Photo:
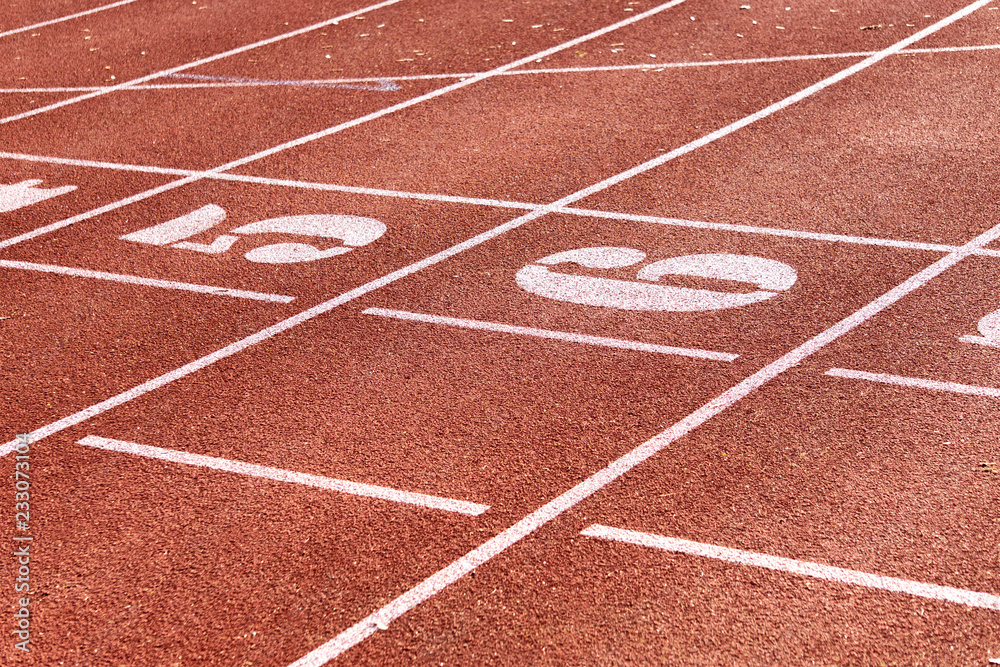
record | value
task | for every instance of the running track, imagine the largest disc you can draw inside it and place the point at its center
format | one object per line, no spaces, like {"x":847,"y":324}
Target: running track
{"x":301,"y":368}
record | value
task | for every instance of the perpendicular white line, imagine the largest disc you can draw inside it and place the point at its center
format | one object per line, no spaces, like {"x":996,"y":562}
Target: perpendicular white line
{"x":66,"y":18}
{"x":280,"y":475}
{"x":918,"y":383}
{"x":554,"y":508}
{"x":499,"y":203}
{"x":337,"y":128}
{"x":451,"y":573}
{"x":803,"y":568}
{"x":196,"y":63}
{"x":773,"y":108}
{"x":447,"y":89}
{"x":274,"y":329}
{"x":145,"y":282}
{"x":556,"y":335}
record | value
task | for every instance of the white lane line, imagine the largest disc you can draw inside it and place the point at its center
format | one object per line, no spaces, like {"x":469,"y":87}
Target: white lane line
{"x":499,"y":203}
{"x":554,"y":508}
{"x":799,"y":567}
{"x":284,"y":325}
{"x":146,"y":282}
{"x":65,"y":18}
{"x":645,"y":67}
{"x":766,"y":231}
{"x":342,"y":126}
{"x":556,"y":335}
{"x":980,"y":340}
{"x":440,"y":580}
{"x":279,"y":475}
{"x":918,"y":383}
{"x":387,"y":279}
{"x":196,"y":63}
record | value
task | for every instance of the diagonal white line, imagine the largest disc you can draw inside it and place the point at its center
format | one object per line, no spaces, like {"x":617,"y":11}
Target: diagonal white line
{"x":803,"y":568}
{"x":337,"y":128}
{"x":66,"y":18}
{"x":275,"y":329}
{"x":443,"y":578}
{"x":145,"y":282}
{"x":917,"y":383}
{"x":195,"y":63}
{"x":555,"y":335}
{"x":280,"y":475}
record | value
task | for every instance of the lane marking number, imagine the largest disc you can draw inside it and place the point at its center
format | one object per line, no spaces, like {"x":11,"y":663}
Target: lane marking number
{"x":353,"y":231}
{"x":770,"y":276}
{"x":25,"y":193}
{"x":989,"y":327}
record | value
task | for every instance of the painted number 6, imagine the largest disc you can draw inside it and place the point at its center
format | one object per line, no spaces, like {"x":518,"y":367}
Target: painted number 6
{"x":770,"y":276}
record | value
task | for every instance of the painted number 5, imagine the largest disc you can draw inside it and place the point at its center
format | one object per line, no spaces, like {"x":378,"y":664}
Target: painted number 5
{"x":353,"y":231}
{"x":770,"y":276}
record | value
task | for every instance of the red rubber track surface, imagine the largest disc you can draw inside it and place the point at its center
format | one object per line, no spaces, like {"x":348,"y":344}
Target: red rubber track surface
{"x":874,"y":451}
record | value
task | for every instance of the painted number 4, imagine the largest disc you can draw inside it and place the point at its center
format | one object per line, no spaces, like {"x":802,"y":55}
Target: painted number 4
{"x":353,"y":231}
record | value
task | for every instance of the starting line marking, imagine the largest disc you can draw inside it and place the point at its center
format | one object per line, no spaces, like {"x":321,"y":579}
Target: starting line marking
{"x":557,"y":335}
{"x":919,"y":383}
{"x":66,"y":18}
{"x":279,"y":475}
{"x":479,"y":201}
{"x":803,"y":568}
{"x":382,"y":83}
{"x":147,"y":282}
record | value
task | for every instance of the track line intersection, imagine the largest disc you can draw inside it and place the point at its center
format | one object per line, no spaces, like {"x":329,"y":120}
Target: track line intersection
{"x":404,"y":403}
{"x":506,"y":131}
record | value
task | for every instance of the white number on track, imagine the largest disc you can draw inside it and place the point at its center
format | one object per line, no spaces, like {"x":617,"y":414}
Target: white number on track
{"x":353,"y":231}
{"x":19,"y":195}
{"x":769,"y":275}
{"x":989,"y":327}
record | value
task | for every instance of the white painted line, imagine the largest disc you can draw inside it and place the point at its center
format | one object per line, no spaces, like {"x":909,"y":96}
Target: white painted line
{"x":918,"y":383}
{"x":146,"y":282}
{"x":554,"y":508}
{"x":96,"y":212}
{"x":447,"y":89}
{"x":437,"y":582}
{"x":803,"y":568}
{"x":329,"y":131}
{"x":980,"y":340}
{"x":766,"y":231}
{"x":644,"y":67}
{"x":556,"y":335}
{"x":440,"y":580}
{"x":499,"y":203}
{"x":66,"y":18}
{"x":279,"y":475}
{"x":196,"y":63}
